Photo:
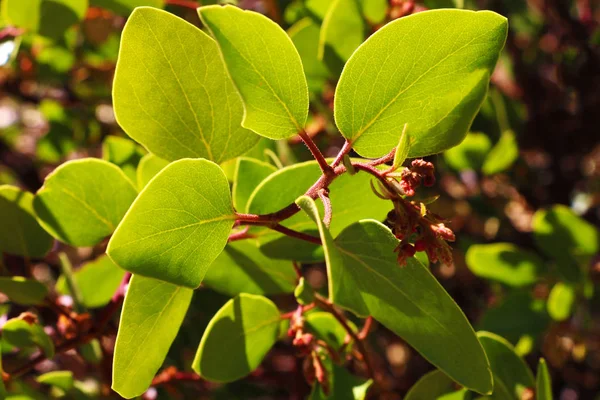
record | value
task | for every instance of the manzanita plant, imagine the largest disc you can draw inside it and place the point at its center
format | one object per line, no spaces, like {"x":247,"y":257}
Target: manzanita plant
{"x":203,"y":208}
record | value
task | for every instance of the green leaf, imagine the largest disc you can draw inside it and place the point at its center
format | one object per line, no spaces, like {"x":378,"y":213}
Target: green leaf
{"x":327,"y":328}
{"x":23,"y":291}
{"x":511,"y":375}
{"x":178,"y":225}
{"x":505,"y":263}
{"x":287,"y":248}
{"x":2,"y":387}
{"x":265,"y":67}
{"x":343,"y":30}
{"x":149,"y":166}
{"x":21,"y":234}
{"x":430,"y":70}
{"x":60,"y":379}
{"x":55,"y":145}
{"x":502,"y":155}
{"x":402,"y":149}
{"x":97,"y":282}
{"x":171,"y":92}
{"x":364,"y":277}
{"x":305,"y":36}
{"x":237,"y":338}
{"x":543,"y":382}
{"x":49,"y":18}
{"x":242,"y":268}
{"x":304,"y":293}
{"x":470,"y":154}
{"x":318,"y":8}
{"x":125,"y":7}
{"x":124,"y":153}
{"x":248,"y":174}
{"x":431,"y":386}
{"x":25,"y":334}
{"x":374,"y":10}
{"x":152,"y":314}
{"x":343,"y":385}
{"x":566,"y":238}
{"x":561,"y":301}
{"x":83,"y":201}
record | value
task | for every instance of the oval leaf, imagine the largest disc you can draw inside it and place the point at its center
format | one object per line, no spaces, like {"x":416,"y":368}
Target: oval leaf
{"x":543,"y":389}
{"x":83,"y":201}
{"x":178,"y":225}
{"x":248,"y":174}
{"x":432,"y":385}
{"x":502,"y":155}
{"x":561,"y":301}
{"x":364,"y":277}
{"x":430,"y":70}
{"x":23,"y":333}
{"x":265,"y":67}
{"x":237,"y":338}
{"x":21,"y":234}
{"x":171,"y":92}
{"x":23,"y":291}
{"x":152,"y":314}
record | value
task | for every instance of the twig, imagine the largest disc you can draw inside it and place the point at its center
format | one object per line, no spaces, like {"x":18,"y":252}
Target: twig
{"x":240,"y":235}
{"x":305,"y":308}
{"x":295,"y":234}
{"x":345,"y":150}
{"x":366,"y":328}
{"x":325,"y":168}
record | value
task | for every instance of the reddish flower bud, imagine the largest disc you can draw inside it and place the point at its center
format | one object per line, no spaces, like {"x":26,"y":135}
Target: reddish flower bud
{"x":420,"y":245}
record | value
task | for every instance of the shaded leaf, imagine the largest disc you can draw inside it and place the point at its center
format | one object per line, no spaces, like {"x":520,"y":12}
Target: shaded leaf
{"x":21,"y":234}
{"x":265,"y":67}
{"x":25,"y":334}
{"x":178,"y":225}
{"x":149,"y":166}
{"x":502,"y":156}
{"x":543,"y":389}
{"x":305,"y":36}
{"x":561,"y":301}
{"x":60,"y":379}
{"x":124,"y":153}
{"x":171,"y":92}
{"x":23,"y":291}
{"x":343,"y":385}
{"x":237,"y":338}
{"x":470,"y":154}
{"x":152,"y":314}
{"x":432,"y":386}
{"x":395,"y":78}
{"x":327,"y":328}
{"x":82,"y":201}
{"x":248,"y":174}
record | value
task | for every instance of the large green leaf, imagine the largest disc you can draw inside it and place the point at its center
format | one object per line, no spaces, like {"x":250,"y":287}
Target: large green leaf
{"x":171,"y":91}
{"x":242,"y":268}
{"x":429,"y":70}
{"x":566,"y":238}
{"x":305,"y":36}
{"x":149,"y":166}
{"x":432,"y":386}
{"x":152,"y":314}
{"x":248,"y":174}
{"x":511,"y":375}
{"x":97,"y":282}
{"x":561,"y":301}
{"x":237,"y":338}
{"x":265,"y":67}
{"x":543,"y":389}
{"x":343,"y":30}
{"x":21,"y":234}
{"x":23,"y":291}
{"x":49,"y":18}
{"x":178,"y":225}
{"x":364,"y":277}
{"x":83,"y":201}
{"x":505,"y":263}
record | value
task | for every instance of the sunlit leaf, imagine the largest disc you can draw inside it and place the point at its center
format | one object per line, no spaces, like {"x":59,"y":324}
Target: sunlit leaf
{"x":543,"y":382}
{"x":60,"y":379}
{"x":124,"y":153}
{"x":23,"y":291}
{"x":149,"y":166}
{"x":561,"y":301}
{"x":502,"y":155}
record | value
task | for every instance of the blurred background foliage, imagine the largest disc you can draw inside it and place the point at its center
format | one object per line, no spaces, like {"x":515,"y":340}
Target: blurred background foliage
{"x":522,"y":192}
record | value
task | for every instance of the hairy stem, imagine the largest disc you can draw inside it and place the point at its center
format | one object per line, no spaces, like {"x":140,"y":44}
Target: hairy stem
{"x":325,"y":168}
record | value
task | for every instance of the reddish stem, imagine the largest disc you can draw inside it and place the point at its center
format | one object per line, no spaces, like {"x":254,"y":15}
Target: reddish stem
{"x":240,"y":235}
{"x":184,"y":3}
{"x":325,"y":168}
{"x":345,"y":150}
{"x":324,"y":196}
{"x":366,"y":328}
{"x":295,"y":234}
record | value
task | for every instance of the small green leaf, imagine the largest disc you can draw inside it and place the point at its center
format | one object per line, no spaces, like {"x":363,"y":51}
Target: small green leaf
{"x":83,"y":201}
{"x":566,"y":238}
{"x":374,"y":10}
{"x":265,"y":67}
{"x":171,"y":92}
{"x":402,"y":149}
{"x":91,"y":352}
{"x":364,"y":277}
{"x":125,"y":7}
{"x":502,"y":155}
{"x":327,"y":328}
{"x":511,"y":374}
{"x":248,"y":174}
{"x":60,"y":379}
{"x":124,"y":153}
{"x":152,"y":314}
{"x":149,"y":166}
{"x":561,"y":301}
{"x":242,"y":268}
{"x":97,"y":282}
{"x":396,"y":77}
{"x":543,"y":382}
{"x":343,"y":385}
{"x":25,"y":334}
{"x":23,"y":291}
{"x":303,"y":292}
{"x":21,"y":234}
{"x":432,"y":385}
{"x":343,"y":30}
{"x":237,"y":338}
{"x":44,"y":17}
{"x":178,"y":225}
{"x":505,"y":263}
{"x":305,"y":36}
{"x":470,"y":154}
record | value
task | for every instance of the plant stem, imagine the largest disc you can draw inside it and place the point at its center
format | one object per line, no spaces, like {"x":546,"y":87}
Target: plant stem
{"x":184,"y":3}
{"x":67,"y":270}
{"x":345,"y":150}
{"x":366,"y":328}
{"x":295,"y":234}
{"x":243,"y":234}
{"x":325,"y":168}
{"x":324,"y":196}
